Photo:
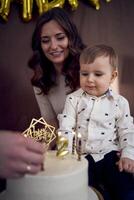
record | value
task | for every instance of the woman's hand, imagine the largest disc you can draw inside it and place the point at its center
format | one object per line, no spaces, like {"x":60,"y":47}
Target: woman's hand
{"x":19,"y":155}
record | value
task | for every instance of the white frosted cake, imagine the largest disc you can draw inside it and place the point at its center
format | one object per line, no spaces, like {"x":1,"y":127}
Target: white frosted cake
{"x":63,"y":179}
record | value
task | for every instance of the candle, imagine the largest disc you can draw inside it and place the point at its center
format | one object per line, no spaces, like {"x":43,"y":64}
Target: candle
{"x":79,"y":147}
{"x":45,"y":150}
{"x":73,"y":143}
{"x":62,"y":144}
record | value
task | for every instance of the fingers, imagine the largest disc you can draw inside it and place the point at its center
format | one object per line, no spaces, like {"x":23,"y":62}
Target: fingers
{"x":128,"y":168}
{"x":20,"y":169}
{"x":120,"y":166}
{"x":31,"y":169}
{"x":126,"y":164}
{"x":34,"y":146}
{"x":20,"y":153}
{"x":31,"y":157}
{"x":27,"y":158}
{"x":33,"y":153}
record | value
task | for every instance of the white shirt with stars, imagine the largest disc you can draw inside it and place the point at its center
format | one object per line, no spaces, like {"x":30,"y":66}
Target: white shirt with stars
{"x":104,"y":122}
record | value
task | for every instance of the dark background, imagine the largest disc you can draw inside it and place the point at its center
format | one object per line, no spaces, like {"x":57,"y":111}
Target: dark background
{"x":113,"y":24}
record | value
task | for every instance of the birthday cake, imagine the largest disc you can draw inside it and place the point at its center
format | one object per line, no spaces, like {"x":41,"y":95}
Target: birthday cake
{"x":65,"y":176}
{"x":63,"y":179}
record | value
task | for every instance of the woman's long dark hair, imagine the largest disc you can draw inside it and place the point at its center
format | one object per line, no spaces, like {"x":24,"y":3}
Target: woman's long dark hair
{"x":44,"y":71}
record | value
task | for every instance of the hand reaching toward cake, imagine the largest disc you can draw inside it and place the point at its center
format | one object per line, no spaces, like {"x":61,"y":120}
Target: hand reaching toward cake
{"x":19,"y":155}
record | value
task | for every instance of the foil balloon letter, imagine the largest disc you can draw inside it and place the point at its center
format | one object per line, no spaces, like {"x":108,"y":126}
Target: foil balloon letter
{"x":95,"y":3}
{"x":5,"y":9}
{"x":74,"y":4}
{"x":27,"y":10}
{"x":42,"y":6}
{"x":56,"y":3}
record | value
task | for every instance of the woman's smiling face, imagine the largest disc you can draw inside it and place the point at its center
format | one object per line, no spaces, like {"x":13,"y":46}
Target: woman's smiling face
{"x":54,"y":43}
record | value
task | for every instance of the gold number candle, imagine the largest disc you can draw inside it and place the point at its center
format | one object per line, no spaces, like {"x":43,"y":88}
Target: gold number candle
{"x":62,"y":144}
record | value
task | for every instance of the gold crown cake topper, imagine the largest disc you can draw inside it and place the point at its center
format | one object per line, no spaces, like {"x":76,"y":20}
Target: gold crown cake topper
{"x":41,"y":131}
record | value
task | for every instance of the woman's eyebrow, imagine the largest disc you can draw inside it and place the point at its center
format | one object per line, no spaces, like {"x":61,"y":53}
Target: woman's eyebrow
{"x":44,"y":36}
{"x":61,"y":33}
{"x":57,"y":34}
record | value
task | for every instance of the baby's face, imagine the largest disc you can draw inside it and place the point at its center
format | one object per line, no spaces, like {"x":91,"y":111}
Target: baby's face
{"x":96,"y":77}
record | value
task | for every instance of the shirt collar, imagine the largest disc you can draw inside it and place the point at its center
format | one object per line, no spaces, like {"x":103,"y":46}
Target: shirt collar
{"x":109,"y":94}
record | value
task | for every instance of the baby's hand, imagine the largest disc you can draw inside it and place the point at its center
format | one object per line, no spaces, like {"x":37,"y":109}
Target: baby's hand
{"x":126,"y":164}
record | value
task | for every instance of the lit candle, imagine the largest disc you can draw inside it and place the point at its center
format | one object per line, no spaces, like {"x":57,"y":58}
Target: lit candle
{"x":73,"y":143}
{"x":79,"y":147}
{"x":59,"y":133}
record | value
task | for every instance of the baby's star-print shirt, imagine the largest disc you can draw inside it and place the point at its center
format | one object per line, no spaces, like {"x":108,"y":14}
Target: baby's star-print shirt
{"x":104,"y":123}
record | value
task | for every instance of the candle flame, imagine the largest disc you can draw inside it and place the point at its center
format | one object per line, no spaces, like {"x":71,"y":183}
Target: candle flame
{"x":79,"y":135}
{"x":59,"y":133}
{"x":73,"y":133}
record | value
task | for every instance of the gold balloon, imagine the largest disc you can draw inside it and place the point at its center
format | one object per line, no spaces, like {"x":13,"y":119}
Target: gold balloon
{"x":42,"y":5}
{"x":95,"y":3}
{"x":56,"y":3}
{"x":74,"y":4}
{"x":5,"y":9}
{"x":27,"y":10}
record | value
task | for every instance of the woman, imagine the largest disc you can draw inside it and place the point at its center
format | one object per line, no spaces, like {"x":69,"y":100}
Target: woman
{"x":56,"y":45}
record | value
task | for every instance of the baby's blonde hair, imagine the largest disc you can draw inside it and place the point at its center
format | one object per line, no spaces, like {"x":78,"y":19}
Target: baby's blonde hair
{"x":89,"y":54}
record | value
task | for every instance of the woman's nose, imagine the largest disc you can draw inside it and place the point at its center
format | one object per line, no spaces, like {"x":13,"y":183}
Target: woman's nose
{"x":53,"y":44}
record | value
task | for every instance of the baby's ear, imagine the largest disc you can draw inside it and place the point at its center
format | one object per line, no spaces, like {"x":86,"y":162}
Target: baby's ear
{"x":114,"y":75}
